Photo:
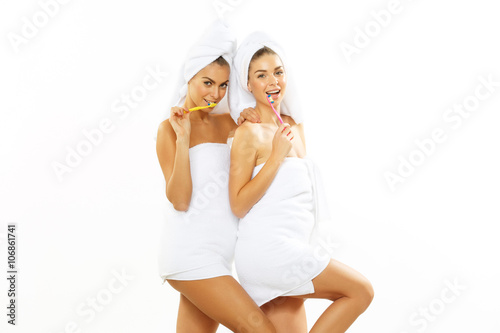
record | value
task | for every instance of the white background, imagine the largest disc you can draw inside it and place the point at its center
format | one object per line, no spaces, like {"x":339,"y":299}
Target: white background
{"x":438,"y":225}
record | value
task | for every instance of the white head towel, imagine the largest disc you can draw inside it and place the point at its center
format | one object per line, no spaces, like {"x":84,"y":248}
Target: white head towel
{"x":239,"y":95}
{"x":217,"y":41}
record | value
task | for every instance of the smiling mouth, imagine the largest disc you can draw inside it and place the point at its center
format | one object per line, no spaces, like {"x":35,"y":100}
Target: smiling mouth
{"x":209,"y":102}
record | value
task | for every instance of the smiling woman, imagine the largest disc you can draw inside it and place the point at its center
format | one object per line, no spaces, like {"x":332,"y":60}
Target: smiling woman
{"x":209,"y":85}
{"x":275,"y":191}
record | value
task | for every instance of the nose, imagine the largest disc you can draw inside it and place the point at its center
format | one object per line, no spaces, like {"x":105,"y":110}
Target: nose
{"x":273,"y":80}
{"x":215,"y":92}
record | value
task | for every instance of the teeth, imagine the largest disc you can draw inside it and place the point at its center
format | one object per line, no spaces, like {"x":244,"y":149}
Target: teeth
{"x":273,"y":92}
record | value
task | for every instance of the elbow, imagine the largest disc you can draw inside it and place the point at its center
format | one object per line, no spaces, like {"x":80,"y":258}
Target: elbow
{"x":178,"y":203}
{"x":238,"y":211}
{"x":181,"y":206}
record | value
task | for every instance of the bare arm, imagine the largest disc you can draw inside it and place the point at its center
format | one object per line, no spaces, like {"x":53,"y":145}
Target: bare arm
{"x":173,"y":154}
{"x":244,"y":192}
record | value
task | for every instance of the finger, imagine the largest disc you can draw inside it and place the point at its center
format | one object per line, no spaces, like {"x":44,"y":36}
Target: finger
{"x":287,"y":131}
{"x":284,"y":126}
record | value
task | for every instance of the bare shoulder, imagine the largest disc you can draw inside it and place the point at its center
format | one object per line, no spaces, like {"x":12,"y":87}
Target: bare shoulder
{"x":248,"y":132}
{"x":165,"y":130}
{"x":165,"y":126}
{"x":249,"y":129}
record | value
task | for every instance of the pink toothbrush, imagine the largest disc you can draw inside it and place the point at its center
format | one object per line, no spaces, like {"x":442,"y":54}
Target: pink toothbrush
{"x":270,"y":100}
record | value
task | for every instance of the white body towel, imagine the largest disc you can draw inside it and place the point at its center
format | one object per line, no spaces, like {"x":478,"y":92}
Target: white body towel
{"x":199,"y":243}
{"x":274,"y":254}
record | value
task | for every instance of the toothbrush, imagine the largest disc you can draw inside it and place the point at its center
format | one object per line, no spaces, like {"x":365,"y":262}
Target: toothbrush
{"x":271,"y":101}
{"x":210,"y":105}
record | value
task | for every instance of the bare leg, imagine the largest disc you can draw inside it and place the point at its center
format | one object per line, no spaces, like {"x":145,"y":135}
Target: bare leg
{"x":191,"y":320}
{"x":287,"y":314}
{"x":225,"y":301}
{"x":351,"y":292}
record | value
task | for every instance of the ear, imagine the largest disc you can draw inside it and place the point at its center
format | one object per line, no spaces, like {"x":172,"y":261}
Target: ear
{"x":248,"y":86}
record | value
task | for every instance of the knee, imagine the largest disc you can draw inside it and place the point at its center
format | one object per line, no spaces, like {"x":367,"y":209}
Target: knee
{"x":365,"y":294}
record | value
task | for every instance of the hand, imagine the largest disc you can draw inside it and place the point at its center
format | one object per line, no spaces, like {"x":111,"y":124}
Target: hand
{"x":179,"y":119}
{"x":248,"y":114}
{"x":282,"y":142}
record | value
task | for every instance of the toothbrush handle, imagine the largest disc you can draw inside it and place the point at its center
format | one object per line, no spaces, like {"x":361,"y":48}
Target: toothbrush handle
{"x":202,"y":107}
{"x":276,"y":112}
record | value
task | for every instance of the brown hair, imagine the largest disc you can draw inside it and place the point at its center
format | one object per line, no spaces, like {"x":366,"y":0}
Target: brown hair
{"x":220,"y":61}
{"x":260,"y":52}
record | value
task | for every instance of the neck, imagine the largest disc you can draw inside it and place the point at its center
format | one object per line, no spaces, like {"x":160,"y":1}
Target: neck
{"x":267,"y":114}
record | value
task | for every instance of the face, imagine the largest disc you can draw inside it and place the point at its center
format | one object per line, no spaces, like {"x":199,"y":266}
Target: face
{"x":266,"y":76}
{"x":208,"y":86}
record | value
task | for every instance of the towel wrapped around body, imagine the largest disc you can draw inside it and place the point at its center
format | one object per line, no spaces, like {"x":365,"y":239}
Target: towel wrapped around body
{"x":199,"y":243}
{"x":275,"y":255}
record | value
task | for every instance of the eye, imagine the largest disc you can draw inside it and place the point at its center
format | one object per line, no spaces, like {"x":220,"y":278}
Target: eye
{"x":280,"y":72}
{"x":224,"y":85}
{"x":261,"y":76}
{"x":207,"y":83}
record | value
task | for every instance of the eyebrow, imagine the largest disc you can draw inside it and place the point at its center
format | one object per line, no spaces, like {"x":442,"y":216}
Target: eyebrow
{"x":209,"y":79}
{"x":263,"y":70}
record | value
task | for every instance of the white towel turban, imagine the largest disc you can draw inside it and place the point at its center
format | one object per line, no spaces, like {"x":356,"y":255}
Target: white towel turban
{"x":217,"y":41}
{"x":239,"y":95}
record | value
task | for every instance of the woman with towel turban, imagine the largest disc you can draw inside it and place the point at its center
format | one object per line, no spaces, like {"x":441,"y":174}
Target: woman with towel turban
{"x":277,"y":195}
{"x":199,"y":236}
